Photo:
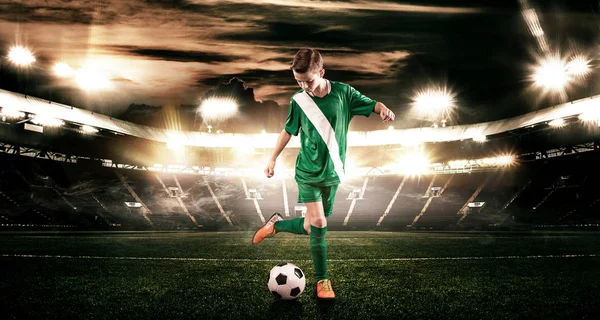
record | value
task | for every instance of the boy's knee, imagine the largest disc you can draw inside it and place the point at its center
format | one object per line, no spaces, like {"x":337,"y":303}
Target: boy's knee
{"x":319,"y":223}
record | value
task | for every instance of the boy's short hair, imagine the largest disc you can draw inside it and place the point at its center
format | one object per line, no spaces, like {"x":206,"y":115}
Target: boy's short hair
{"x":307,"y":59}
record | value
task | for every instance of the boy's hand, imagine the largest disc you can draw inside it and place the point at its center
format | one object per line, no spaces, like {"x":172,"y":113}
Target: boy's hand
{"x":387,"y":115}
{"x":270,"y":168}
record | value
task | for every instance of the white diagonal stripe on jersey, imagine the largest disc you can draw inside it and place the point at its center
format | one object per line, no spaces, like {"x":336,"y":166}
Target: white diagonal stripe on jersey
{"x":320,"y":122}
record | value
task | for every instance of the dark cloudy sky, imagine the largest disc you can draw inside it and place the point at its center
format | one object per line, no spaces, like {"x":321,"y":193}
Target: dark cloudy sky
{"x":173,"y":52}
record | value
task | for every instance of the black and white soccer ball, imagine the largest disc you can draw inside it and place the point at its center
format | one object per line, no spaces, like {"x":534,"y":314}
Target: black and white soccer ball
{"x":286,"y":281}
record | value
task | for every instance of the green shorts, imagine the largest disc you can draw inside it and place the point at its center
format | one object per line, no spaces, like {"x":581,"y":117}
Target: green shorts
{"x":312,"y":193}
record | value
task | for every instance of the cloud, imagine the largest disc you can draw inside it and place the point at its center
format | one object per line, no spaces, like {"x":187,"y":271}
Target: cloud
{"x":176,"y":55}
{"x":160,"y":52}
{"x":379,"y":63}
{"x":351,"y":5}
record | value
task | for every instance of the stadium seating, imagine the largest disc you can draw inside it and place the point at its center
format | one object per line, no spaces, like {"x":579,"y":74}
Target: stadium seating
{"x":36,"y":192}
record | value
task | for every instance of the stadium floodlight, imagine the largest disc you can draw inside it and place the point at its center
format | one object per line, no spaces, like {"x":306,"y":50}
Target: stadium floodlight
{"x":218,"y":108}
{"x":578,"y":66}
{"x":21,"y":56}
{"x":480,"y":138}
{"x":505,"y":160}
{"x":88,"y":129}
{"x":551,"y":73}
{"x":92,"y":80}
{"x":175,"y":145}
{"x":63,"y":70}
{"x":11,"y":113}
{"x":590,"y":117}
{"x":436,"y":102}
{"x":413,"y":163}
{"x":47,"y":121}
{"x":458,"y":164}
{"x":557,"y":123}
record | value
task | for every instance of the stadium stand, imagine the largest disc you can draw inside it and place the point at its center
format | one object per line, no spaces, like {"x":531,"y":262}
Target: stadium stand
{"x":63,"y":179}
{"x":560,"y":190}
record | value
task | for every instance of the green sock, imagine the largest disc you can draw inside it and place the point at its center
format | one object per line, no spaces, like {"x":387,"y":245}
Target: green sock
{"x":292,"y":226}
{"x":318,"y":250}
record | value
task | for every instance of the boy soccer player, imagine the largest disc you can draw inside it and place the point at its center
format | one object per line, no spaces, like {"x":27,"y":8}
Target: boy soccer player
{"x":321,"y":111}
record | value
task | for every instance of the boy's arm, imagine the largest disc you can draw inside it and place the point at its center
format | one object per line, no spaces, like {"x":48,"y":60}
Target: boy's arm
{"x":383,"y":111}
{"x":282,"y":141}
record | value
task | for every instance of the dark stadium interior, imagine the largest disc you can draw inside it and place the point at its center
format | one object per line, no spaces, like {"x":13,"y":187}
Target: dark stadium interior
{"x":86,"y":195}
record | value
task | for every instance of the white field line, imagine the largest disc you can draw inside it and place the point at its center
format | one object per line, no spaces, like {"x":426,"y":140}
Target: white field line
{"x":561,"y":256}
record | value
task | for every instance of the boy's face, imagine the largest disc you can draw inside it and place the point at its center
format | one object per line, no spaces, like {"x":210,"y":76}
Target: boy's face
{"x":309,"y":80}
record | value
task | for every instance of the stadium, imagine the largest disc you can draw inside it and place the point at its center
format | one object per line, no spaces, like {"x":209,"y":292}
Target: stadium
{"x":151,"y":214}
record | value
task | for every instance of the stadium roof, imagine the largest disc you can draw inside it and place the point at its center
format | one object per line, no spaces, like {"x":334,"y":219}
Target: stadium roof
{"x":37,"y":106}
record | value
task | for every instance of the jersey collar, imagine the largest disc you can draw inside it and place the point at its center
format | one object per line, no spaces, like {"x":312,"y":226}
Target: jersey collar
{"x":328,"y":89}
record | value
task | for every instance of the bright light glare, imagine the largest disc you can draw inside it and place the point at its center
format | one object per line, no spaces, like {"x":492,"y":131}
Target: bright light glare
{"x":504,"y":160}
{"x":218,"y":108}
{"x":533,"y":22}
{"x":244,"y":150}
{"x":557,"y":122}
{"x":497,"y":161}
{"x":92,"y":80}
{"x":590,"y":116}
{"x":480,"y":138}
{"x":11,"y":113}
{"x":47,"y":121}
{"x":415,"y":163}
{"x":456,"y":164}
{"x":578,"y":66}
{"x":351,"y":165}
{"x":436,"y":101}
{"x":175,"y":145}
{"x":88,"y":129}
{"x":63,"y":70}
{"x":551,"y":73}
{"x":20,"y":56}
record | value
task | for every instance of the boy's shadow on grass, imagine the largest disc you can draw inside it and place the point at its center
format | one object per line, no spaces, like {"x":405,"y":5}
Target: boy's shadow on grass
{"x":293,"y":309}
{"x":287,"y":309}
{"x":324,"y":308}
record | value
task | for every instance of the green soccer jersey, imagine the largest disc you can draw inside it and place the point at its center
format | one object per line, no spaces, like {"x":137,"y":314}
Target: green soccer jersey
{"x":314,"y":164}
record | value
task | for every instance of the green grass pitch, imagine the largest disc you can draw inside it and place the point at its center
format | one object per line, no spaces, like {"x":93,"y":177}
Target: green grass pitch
{"x":376,"y":275}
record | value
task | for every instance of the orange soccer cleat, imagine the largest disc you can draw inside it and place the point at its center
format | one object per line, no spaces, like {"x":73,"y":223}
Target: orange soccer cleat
{"x":268,"y":230}
{"x":324,"y":290}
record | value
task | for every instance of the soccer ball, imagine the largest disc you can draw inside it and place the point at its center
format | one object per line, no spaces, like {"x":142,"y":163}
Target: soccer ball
{"x":286,"y":281}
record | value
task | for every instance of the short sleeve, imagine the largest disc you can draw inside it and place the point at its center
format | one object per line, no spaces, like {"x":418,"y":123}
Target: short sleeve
{"x":359,"y":103}
{"x":292,"y":124}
